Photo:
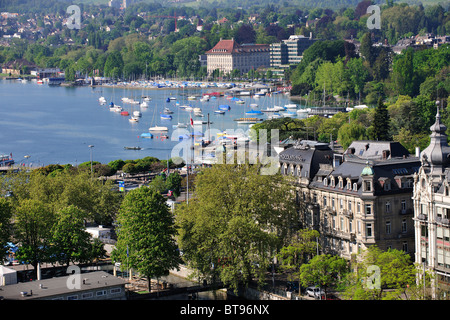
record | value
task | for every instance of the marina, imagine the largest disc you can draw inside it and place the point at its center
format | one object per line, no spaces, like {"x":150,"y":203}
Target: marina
{"x":57,"y":124}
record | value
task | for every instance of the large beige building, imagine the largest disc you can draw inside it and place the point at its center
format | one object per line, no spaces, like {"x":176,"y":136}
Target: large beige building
{"x":432,"y":210}
{"x":228,"y":55}
{"x":356,"y":199}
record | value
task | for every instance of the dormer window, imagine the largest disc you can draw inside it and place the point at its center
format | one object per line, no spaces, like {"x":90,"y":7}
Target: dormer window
{"x":325,"y":182}
{"x":355,"y":186}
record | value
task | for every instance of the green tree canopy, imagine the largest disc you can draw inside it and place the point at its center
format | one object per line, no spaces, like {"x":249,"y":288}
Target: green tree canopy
{"x":238,"y":218}
{"x":146,"y":234}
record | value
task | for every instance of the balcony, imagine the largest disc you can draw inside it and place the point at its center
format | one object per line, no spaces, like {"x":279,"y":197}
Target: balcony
{"x":347,"y":213}
{"x":443,"y":221}
{"x":423,"y":217}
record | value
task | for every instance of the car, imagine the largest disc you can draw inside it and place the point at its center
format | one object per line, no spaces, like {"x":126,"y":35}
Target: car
{"x":315,"y":292}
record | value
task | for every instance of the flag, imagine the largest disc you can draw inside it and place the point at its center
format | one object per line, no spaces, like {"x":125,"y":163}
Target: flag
{"x":192,"y":122}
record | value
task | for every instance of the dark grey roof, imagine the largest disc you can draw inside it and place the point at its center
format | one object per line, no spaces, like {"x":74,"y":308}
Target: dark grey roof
{"x":45,"y":289}
{"x":376,"y":149}
{"x":309,"y":155}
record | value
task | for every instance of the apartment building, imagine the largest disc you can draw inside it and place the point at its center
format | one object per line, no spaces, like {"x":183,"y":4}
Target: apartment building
{"x":356,"y":199}
{"x":289,"y":52}
{"x":432,"y":209}
{"x":228,"y":55}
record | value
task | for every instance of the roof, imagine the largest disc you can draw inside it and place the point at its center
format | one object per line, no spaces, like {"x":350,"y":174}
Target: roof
{"x":365,"y":149}
{"x":45,"y":289}
{"x":231,"y":46}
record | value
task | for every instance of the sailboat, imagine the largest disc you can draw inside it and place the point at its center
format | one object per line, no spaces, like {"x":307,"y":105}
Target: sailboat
{"x":157,"y":128}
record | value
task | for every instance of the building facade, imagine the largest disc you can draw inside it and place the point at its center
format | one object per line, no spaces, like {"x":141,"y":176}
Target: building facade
{"x":432,"y":209}
{"x":289,"y":52}
{"x":228,"y":55}
{"x":356,"y":199}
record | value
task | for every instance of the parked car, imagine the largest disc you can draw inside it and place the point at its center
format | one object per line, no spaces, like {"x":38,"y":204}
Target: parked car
{"x":315,"y":292}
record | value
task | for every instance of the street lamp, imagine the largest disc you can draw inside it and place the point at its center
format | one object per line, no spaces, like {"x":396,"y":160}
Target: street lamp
{"x":90,"y":147}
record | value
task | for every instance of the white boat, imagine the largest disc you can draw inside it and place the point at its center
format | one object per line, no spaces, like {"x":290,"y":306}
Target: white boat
{"x":116,"y":108}
{"x":274,"y":109}
{"x":167,"y":111}
{"x":240,"y":101}
{"x":197,"y":110}
{"x":158,"y":128}
{"x":133,"y":119}
{"x":144,"y":104}
{"x":172,"y":98}
{"x":191,"y":98}
{"x":219,"y":111}
{"x":180,"y":125}
{"x":146,"y":98}
{"x":137,"y":114}
{"x":290,"y":106}
{"x":102,"y":100}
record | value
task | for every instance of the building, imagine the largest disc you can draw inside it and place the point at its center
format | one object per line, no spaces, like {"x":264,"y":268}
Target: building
{"x":98,"y":285}
{"x":228,"y":55}
{"x":290,"y":51}
{"x":356,"y":199}
{"x":18,"y":67}
{"x":432,"y":209}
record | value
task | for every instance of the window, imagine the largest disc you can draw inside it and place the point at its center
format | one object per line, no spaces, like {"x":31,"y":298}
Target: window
{"x":100,"y":293}
{"x":359,"y":227}
{"x":349,"y":205}
{"x":368,"y":208}
{"x":325,"y":182}
{"x":405,"y":246}
{"x":332,"y":204}
{"x":341,"y":183}
{"x":87,"y":295}
{"x":350,"y":225}
{"x":342,"y":224}
{"x":324,"y":201}
{"x":388,"y":207}
{"x":341,"y":203}
{"x":74,"y":297}
{"x":388,"y":227}
{"x":404,"y":225}
{"x":115,"y":290}
{"x":368,"y":229}
{"x":355,"y":187}
{"x":403,"y":206}
{"x":367,"y":186}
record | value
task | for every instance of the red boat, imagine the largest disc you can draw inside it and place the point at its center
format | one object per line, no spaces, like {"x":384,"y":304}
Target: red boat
{"x":124,"y":113}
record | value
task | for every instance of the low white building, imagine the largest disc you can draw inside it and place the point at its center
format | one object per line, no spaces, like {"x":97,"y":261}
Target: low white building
{"x":100,"y":232}
{"x":7,"y":276}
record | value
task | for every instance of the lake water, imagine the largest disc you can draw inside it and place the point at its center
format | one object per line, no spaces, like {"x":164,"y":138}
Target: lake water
{"x":56,"y":124}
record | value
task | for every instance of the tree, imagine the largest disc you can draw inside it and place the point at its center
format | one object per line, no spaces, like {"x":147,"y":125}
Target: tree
{"x":324,"y":271}
{"x":381,"y":122}
{"x":33,"y":222}
{"x":231,"y":229}
{"x":5,"y":226}
{"x":70,"y":242}
{"x":377,"y":271}
{"x":349,"y":132}
{"x":146,"y":234}
{"x":300,"y":248}
{"x":245,"y":34}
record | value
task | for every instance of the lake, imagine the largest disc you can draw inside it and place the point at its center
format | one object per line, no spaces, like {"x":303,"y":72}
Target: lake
{"x":42,"y":124}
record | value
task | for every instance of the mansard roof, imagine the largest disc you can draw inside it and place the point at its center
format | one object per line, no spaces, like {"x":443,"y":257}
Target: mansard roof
{"x":232,"y":47}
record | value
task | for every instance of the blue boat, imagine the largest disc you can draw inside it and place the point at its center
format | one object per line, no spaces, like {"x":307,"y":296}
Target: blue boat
{"x":146,"y":135}
{"x":224,"y":107}
{"x":253,"y":112}
{"x":166,"y":117}
{"x":6,"y":161}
